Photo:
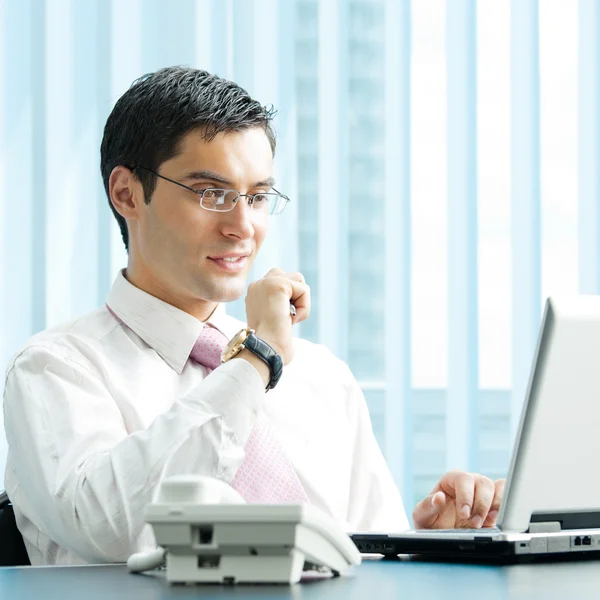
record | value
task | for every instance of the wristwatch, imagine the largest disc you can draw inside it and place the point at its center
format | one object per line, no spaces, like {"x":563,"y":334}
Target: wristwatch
{"x":245,"y":338}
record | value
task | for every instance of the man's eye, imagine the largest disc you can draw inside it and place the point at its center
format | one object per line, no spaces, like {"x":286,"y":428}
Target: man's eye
{"x":261,"y":198}
{"x":211,"y":193}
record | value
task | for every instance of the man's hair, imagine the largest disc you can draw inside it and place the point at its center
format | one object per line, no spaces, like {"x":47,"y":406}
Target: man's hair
{"x":149,"y":121}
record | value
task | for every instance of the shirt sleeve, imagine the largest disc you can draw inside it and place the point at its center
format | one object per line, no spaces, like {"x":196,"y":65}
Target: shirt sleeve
{"x":375,"y":503}
{"x":83,"y":479}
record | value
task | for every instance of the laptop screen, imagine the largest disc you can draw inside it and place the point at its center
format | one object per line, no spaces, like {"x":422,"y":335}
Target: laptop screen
{"x":3,"y":454}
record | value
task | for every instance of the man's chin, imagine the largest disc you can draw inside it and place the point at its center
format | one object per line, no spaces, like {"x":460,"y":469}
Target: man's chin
{"x":224,"y":293}
{"x":230,"y":298}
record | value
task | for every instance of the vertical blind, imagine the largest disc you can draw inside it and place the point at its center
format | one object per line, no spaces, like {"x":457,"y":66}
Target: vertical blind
{"x":442,"y":157}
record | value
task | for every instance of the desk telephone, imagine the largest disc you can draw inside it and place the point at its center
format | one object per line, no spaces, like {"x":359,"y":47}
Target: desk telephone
{"x":208,"y":534}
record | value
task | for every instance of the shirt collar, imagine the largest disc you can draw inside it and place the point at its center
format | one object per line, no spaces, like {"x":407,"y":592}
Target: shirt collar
{"x":168,"y":330}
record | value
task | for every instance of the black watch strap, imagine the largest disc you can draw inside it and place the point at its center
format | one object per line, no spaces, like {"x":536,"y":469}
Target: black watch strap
{"x":268,"y":355}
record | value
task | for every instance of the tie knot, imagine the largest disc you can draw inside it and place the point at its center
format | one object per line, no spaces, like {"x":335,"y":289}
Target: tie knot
{"x":208,"y":347}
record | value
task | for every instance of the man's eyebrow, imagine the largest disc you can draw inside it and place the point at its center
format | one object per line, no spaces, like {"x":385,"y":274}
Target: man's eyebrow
{"x":199,"y":175}
{"x":270,"y":182}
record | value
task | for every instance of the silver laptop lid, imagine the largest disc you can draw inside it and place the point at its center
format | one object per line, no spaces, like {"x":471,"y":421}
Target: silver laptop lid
{"x":554,"y":465}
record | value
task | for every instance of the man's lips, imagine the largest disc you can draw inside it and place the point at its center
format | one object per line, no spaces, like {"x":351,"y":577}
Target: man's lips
{"x":231,"y":263}
{"x":230,"y":255}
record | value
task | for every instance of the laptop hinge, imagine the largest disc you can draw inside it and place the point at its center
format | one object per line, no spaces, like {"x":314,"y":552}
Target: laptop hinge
{"x":551,"y":522}
{"x":545,"y":527}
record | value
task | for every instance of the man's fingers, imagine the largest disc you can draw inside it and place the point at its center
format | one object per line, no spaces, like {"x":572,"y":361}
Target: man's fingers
{"x":461,"y":486}
{"x":300,"y":299}
{"x":299,"y":315}
{"x":295,"y":276}
{"x":275,"y":272}
{"x":492,"y":515}
{"x":295,"y":285}
{"x":460,"y":500}
{"x":499,"y":495}
{"x":484,"y":496}
{"x":427,"y":512}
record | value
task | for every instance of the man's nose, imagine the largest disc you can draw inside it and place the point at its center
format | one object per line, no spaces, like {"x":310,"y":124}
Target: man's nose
{"x":239,"y":221}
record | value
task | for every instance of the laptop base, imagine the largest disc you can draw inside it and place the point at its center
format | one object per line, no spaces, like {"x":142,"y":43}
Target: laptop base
{"x":481,"y":549}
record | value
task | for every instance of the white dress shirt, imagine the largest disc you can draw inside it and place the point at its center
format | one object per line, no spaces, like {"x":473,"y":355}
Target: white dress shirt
{"x":97,"y":414}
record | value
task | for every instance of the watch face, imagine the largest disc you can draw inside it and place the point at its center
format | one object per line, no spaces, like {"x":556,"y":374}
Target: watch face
{"x":235,"y":344}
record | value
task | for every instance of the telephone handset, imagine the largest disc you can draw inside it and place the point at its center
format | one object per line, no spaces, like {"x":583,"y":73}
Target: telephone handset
{"x":208,"y":534}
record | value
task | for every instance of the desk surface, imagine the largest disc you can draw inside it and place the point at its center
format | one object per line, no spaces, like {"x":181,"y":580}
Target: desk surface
{"x":374,"y":579}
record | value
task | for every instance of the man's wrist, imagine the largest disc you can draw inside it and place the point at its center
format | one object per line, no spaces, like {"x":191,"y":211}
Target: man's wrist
{"x":267,"y":337}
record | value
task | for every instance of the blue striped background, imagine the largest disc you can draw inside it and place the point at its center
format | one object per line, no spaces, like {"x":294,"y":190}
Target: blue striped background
{"x":62,"y":69}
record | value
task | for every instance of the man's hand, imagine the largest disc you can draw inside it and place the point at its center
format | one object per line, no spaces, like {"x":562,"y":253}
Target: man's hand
{"x":460,"y":500}
{"x":268,"y":309}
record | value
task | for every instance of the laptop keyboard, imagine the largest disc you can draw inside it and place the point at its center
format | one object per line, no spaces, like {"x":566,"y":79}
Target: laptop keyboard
{"x":487,"y":530}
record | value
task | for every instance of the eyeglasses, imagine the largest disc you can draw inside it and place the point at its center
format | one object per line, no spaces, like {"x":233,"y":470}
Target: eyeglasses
{"x":224,"y":200}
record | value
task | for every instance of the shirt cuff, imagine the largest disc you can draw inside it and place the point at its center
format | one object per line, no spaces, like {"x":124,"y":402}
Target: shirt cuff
{"x":234,"y":391}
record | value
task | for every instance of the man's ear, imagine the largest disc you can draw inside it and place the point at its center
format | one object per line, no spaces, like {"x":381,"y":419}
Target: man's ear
{"x":126,"y":193}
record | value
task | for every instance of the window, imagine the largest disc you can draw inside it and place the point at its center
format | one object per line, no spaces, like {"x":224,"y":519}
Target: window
{"x":441,"y":160}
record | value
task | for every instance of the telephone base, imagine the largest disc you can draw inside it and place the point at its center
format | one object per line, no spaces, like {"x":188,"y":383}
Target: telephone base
{"x":203,"y":540}
{"x":249,"y":543}
{"x":231,"y":569}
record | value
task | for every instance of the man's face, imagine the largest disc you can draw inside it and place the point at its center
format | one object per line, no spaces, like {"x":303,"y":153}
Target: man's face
{"x":180,"y":245}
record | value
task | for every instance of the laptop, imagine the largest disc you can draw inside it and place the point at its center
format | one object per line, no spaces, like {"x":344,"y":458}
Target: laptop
{"x":551,"y":502}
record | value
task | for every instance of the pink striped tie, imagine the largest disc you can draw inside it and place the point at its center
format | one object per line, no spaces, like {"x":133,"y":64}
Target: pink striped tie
{"x":266,"y":475}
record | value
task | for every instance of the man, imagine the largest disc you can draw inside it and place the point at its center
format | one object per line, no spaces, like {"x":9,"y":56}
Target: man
{"x":99,"y":411}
